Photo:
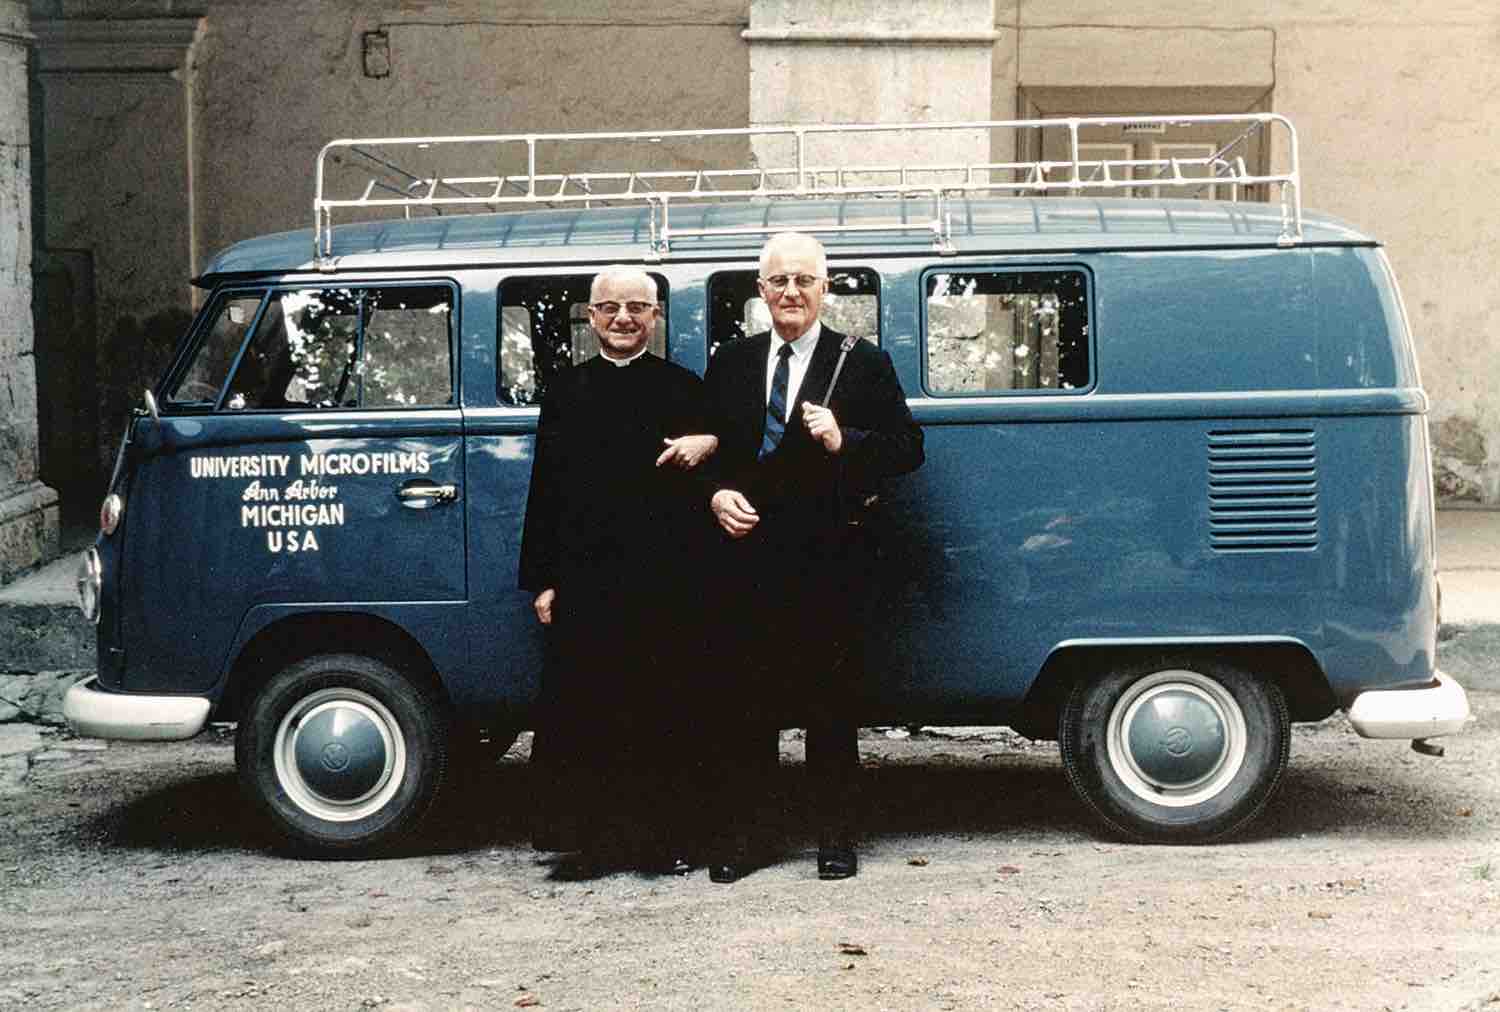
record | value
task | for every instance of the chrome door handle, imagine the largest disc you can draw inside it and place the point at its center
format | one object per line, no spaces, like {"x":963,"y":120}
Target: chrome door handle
{"x":424,"y":495}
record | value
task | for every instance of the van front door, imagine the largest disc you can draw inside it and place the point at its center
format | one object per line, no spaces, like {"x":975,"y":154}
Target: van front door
{"x":308,"y":457}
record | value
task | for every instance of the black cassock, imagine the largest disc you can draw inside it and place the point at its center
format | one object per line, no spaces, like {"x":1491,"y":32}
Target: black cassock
{"x":617,"y":537}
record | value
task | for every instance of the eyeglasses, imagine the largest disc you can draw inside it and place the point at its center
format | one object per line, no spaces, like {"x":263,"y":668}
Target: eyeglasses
{"x":805,"y":282}
{"x":613,"y":308}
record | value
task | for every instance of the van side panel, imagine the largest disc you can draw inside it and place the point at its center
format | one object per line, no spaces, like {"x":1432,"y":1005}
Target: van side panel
{"x":1377,"y":560}
{"x":1362,"y":337}
{"x":265,"y":508}
{"x":1246,"y":467}
{"x":1244,"y":320}
{"x":1019,"y":535}
{"x":505,"y":641}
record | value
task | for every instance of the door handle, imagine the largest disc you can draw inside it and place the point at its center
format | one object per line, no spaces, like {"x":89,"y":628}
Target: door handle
{"x":421,"y":495}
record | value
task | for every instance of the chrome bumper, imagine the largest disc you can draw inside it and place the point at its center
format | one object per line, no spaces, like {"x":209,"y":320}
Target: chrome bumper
{"x":1441,"y":708}
{"x":123,"y":716}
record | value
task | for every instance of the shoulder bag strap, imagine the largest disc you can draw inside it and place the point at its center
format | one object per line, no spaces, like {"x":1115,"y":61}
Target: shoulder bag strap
{"x":844,"y":348}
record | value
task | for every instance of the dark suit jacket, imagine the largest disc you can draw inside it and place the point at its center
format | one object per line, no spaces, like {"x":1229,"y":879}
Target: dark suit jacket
{"x":802,"y":491}
{"x":792,"y":593}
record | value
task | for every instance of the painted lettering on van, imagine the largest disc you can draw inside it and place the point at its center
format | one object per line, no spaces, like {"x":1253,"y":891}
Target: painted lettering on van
{"x":390,"y":462}
{"x":292,"y":541}
{"x":292,"y":515}
{"x":272,"y":516}
{"x":300,"y":490}
{"x":306,"y":502}
{"x":248,"y":465}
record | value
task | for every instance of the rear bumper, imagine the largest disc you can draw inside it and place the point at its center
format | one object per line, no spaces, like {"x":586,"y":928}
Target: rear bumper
{"x":94,"y":713}
{"x":1441,"y":708}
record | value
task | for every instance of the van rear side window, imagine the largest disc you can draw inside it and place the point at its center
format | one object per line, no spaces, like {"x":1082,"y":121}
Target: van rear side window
{"x":1000,"y":331}
{"x":544,"y":329}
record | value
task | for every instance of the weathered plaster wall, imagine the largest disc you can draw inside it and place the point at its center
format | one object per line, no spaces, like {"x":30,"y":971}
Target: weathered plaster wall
{"x":1398,"y":110}
{"x":279,"y":79}
{"x":28,"y":509}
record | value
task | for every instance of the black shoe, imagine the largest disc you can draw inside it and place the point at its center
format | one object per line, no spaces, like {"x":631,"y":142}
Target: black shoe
{"x":729,"y":860}
{"x":835,"y":862}
{"x":734,"y":863}
{"x":675,"y":864}
{"x":725,"y":872}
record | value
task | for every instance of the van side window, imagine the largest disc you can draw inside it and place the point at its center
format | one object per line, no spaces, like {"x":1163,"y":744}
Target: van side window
{"x":385,"y":347}
{"x":544,"y":329}
{"x":204,"y":378}
{"x":997,"y":331}
{"x":736,"y":310}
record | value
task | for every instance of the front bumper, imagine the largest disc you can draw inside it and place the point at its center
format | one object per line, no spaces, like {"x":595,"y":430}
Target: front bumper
{"x":94,"y":713}
{"x":1441,"y":708}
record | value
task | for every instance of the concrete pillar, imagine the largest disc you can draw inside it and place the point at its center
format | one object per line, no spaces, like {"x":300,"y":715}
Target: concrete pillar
{"x":28,"y":509}
{"x":863,"y":61}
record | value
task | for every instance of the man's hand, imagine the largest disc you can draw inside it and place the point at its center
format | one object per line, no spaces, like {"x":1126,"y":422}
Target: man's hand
{"x":687,"y":452}
{"x":822,"y":426}
{"x":543,"y":605}
{"x":734,"y":512}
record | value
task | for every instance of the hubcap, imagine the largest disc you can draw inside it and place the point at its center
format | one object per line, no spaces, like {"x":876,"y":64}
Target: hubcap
{"x":340,"y":754}
{"x":1176,"y":738}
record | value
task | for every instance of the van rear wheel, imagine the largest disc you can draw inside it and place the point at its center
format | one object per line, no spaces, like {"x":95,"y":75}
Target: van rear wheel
{"x":1177,"y":751}
{"x":342,"y":754}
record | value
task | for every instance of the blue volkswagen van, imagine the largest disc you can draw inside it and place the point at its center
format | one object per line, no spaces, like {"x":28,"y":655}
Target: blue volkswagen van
{"x":1177,"y":491}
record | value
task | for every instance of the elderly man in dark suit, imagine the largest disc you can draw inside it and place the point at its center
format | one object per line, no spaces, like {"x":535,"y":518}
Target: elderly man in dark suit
{"x":794,"y":464}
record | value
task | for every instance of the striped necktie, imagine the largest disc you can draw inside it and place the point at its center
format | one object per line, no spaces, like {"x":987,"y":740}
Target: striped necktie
{"x":776,"y":406}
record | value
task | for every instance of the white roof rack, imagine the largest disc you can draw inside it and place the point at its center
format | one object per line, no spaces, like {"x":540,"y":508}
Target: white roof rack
{"x":429,"y":189}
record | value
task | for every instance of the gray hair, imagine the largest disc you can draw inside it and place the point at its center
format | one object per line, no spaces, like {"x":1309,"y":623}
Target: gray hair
{"x":621,"y":272}
{"x":781,"y":238}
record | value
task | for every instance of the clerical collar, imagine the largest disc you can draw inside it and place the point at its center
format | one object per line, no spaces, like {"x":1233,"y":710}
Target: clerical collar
{"x":622,"y":362}
{"x":803,"y":346}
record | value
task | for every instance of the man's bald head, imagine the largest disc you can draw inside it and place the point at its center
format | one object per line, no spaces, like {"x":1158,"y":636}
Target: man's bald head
{"x":621,"y":276}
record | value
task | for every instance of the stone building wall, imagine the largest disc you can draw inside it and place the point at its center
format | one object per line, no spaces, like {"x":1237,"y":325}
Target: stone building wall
{"x":176,"y":127}
{"x":28,"y":508}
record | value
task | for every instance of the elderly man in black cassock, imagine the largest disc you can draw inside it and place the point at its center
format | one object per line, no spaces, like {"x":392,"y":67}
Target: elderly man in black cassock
{"x":608,"y":540}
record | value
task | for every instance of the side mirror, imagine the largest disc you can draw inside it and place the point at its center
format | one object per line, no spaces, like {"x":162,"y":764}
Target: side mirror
{"x":151,"y":407}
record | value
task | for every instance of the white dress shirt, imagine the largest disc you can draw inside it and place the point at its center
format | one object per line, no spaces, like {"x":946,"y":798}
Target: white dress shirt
{"x":802,"y":353}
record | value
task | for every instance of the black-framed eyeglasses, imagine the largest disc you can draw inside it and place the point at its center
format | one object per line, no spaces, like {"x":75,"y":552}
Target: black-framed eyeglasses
{"x":804,"y":282}
{"x":633,"y":307}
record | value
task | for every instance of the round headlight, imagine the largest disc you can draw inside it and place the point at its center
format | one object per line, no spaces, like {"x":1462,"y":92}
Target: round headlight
{"x":110,"y":512}
{"x":90,"y":583}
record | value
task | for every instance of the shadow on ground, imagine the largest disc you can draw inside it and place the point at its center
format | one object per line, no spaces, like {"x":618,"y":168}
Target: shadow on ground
{"x":1012,"y":796}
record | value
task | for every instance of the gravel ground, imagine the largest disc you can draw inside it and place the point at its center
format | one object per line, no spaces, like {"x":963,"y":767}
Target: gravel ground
{"x":133,"y":878}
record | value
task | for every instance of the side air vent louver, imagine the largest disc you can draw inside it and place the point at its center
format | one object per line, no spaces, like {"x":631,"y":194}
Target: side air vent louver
{"x":1263,"y":490}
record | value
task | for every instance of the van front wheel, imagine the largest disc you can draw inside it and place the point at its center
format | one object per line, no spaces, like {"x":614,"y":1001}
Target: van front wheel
{"x":342,"y":753}
{"x":1175,"y":752}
